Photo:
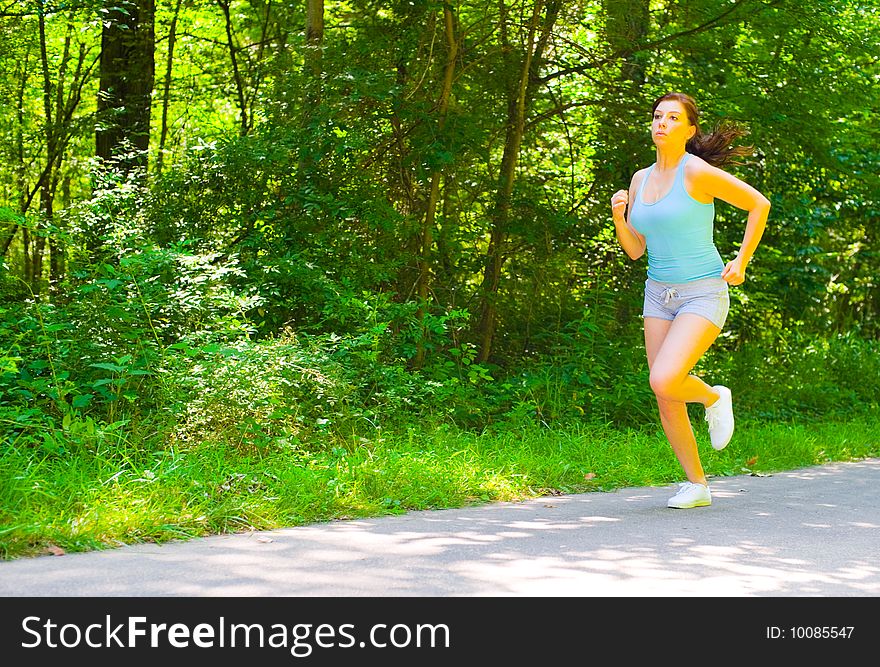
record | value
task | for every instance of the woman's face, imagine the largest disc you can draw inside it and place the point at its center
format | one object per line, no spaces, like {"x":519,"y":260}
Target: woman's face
{"x":671,"y":126}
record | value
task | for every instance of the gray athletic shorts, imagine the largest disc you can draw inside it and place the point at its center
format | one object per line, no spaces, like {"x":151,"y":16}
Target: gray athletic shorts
{"x":707,"y":297}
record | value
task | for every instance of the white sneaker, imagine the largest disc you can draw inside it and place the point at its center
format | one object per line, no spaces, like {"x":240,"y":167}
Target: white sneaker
{"x":690,"y":495}
{"x":719,"y":415}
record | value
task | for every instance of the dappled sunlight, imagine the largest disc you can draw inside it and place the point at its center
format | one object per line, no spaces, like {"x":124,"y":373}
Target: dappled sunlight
{"x":636,"y":497}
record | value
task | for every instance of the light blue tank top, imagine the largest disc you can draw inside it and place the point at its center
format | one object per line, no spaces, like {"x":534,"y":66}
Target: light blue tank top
{"x":678,"y":230}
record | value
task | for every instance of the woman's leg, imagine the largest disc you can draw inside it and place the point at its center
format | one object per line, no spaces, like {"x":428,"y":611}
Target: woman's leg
{"x":673,"y":349}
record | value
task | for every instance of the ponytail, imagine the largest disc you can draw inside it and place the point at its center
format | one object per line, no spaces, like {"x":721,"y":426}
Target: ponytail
{"x":715,"y":147}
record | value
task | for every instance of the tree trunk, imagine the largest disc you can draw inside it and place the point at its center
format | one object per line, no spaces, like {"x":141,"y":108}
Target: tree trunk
{"x":627,"y":24}
{"x":26,"y":255}
{"x":57,"y":134}
{"x":126,"y":85}
{"x":46,"y":214}
{"x":433,"y":196}
{"x":166,"y":87}
{"x":36,"y":268}
{"x":56,"y":250}
{"x":519,"y":95}
{"x":313,"y":58}
{"x":312,"y":87}
{"x":20,"y":167}
{"x":236,"y":72}
{"x":445,"y":260}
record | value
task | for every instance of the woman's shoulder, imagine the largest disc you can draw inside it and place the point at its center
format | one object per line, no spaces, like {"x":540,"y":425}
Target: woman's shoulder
{"x":696,"y":165}
{"x":640,"y":174}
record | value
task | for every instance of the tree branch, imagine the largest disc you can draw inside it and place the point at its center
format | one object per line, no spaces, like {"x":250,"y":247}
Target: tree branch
{"x":714,"y":22}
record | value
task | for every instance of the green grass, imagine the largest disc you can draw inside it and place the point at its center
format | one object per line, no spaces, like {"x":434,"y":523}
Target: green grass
{"x":98,"y":496}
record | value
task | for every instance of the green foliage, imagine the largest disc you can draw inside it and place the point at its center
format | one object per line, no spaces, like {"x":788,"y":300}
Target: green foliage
{"x":802,"y":377}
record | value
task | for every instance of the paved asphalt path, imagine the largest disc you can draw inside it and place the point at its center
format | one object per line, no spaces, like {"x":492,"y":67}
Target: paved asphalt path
{"x":809,"y":532}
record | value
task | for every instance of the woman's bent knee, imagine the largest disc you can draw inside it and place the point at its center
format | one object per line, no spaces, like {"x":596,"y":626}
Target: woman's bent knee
{"x":664,"y":384}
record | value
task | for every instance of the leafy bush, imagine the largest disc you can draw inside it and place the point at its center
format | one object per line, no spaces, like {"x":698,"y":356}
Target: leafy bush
{"x":802,"y":376}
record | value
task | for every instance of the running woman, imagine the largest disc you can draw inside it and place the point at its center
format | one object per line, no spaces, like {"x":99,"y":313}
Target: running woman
{"x":686,"y":293}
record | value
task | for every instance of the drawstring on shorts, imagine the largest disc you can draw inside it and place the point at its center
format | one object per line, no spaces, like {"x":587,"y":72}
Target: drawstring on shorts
{"x":669,"y":293}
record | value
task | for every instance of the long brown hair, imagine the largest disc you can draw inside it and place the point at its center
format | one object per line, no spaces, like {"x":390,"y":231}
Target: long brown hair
{"x":713,"y":147}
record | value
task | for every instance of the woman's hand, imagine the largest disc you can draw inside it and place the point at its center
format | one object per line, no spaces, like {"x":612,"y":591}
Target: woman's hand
{"x":618,"y":204}
{"x":735,"y":271}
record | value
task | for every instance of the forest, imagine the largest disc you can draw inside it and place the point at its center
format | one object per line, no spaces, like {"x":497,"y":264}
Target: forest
{"x":265,"y":226}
